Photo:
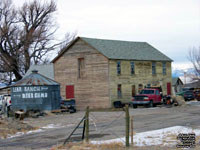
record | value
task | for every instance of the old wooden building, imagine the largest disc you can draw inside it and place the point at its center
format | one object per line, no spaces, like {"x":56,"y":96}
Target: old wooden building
{"x":97,"y":72}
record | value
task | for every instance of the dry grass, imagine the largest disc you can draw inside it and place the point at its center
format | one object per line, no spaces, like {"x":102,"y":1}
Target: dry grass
{"x":85,"y":146}
{"x":110,"y":146}
{"x":113,"y":146}
{"x":11,"y":127}
{"x":170,"y":139}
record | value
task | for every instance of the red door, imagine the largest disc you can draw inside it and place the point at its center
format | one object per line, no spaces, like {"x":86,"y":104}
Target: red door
{"x":69,"y":91}
{"x":168,"y":88}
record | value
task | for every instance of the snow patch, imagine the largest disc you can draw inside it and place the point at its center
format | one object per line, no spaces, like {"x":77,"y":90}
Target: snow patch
{"x":23,"y":133}
{"x":155,"y":137}
{"x":51,"y":126}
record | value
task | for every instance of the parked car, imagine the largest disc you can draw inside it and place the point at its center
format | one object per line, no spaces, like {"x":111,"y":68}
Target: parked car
{"x":1,"y":101}
{"x":7,"y":101}
{"x":147,"y":97}
{"x":182,"y":92}
{"x":197,"y":95}
{"x":189,"y":95}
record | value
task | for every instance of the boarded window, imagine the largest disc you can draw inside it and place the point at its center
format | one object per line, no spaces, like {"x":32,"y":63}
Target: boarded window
{"x":132,"y":68}
{"x":81,"y":67}
{"x":118,"y":67}
{"x":153,"y":68}
{"x":119,"y":91}
{"x":164,"y":68}
{"x":133,"y":90}
{"x":69,"y":91}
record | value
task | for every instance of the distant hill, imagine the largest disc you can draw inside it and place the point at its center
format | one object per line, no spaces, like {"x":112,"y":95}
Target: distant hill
{"x":180,"y":72}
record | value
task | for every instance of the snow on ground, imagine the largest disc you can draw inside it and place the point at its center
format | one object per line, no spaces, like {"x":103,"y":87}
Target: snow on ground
{"x":51,"y":126}
{"x":22,"y":133}
{"x":194,"y":103}
{"x":166,"y":136}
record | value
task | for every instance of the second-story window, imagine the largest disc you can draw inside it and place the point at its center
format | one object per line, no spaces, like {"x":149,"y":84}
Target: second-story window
{"x":81,"y":67}
{"x":164,"y":68}
{"x":118,"y":67}
{"x":132,"y":68}
{"x":153,"y":68}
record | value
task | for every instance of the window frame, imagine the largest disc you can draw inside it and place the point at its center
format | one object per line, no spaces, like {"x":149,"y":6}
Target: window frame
{"x":132,"y":64}
{"x":153,"y":68}
{"x":81,"y":66}
{"x":164,"y":68}
{"x":118,"y":67}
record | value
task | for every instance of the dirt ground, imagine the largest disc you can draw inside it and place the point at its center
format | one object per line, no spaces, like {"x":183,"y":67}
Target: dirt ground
{"x":106,"y":125}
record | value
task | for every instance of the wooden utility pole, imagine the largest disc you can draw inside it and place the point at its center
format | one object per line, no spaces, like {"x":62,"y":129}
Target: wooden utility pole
{"x":127,"y":125}
{"x":87,"y":124}
{"x":131,"y":130}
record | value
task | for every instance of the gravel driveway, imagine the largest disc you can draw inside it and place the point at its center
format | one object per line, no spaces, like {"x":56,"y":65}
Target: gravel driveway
{"x":103,"y":125}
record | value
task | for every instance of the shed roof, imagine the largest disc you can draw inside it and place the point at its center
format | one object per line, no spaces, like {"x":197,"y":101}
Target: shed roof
{"x":35,"y":79}
{"x":124,"y":50}
{"x":47,"y":70}
{"x":175,"y":80}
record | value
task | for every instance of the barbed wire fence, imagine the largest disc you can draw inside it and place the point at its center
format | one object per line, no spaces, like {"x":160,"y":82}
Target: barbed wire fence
{"x":106,"y":128}
{"x":104,"y":125}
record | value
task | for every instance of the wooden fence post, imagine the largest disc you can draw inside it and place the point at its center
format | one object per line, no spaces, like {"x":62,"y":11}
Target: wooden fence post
{"x":87,"y":124}
{"x":127,"y":125}
{"x":131,"y":130}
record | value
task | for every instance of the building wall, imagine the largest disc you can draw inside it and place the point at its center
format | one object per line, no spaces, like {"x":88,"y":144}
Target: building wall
{"x":178,"y":86}
{"x":4,"y":91}
{"x":92,"y":89}
{"x":143,"y":75}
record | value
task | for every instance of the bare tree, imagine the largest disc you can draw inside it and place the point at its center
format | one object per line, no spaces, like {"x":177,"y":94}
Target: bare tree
{"x":26,"y":35}
{"x":194,"y":57}
{"x":69,"y":37}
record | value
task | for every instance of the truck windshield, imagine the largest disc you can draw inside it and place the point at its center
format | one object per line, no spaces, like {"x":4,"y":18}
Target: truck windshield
{"x":147,"y":92}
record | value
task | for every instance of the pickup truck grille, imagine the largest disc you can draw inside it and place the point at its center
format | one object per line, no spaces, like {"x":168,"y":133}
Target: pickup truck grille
{"x":139,"y":98}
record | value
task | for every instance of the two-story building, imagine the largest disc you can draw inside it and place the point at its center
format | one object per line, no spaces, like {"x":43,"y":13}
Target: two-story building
{"x":97,"y":72}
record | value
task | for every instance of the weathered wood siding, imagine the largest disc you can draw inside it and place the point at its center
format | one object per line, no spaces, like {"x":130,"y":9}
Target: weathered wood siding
{"x":93,"y":88}
{"x":143,"y":75}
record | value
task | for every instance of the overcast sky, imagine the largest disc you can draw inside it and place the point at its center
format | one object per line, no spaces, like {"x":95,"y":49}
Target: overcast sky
{"x":171,"y":26}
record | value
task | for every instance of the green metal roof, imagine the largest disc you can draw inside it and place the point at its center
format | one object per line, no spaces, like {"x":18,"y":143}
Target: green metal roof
{"x":174,"y":80}
{"x":114,"y":49}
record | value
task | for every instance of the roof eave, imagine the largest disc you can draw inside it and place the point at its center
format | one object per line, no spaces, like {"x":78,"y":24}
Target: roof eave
{"x":64,"y":50}
{"x":140,"y":59}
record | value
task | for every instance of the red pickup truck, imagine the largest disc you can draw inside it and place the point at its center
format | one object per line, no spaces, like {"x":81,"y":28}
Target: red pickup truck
{"x":147,"y":97}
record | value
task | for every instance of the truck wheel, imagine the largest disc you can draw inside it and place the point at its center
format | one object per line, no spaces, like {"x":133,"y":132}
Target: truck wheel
{"x":134,"y":106}
{"x":151,"y":104}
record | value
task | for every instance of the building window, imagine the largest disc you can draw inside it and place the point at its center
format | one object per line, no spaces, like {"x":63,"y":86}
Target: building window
{"x":164,"y":68}
{"x":132,"y":68}
{"x":81,"y":67}
{"x":153,"y":68}
{"x":148,"y":85}
{"x":118,"y":67}
{"x":140,"y":87}
{"x":119,"y":91}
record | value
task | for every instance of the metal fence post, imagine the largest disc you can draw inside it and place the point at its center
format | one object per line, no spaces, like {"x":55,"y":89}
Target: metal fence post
{"x":131,"y":130}
{"x":127,"y":124}
{"x":87,"y":124}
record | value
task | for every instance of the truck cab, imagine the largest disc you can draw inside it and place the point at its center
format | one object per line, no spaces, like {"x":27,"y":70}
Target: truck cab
{"x":148,"y":97}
